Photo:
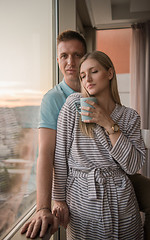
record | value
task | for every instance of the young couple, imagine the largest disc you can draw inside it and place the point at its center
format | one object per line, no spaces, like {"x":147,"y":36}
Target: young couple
{"x":93,"y":160}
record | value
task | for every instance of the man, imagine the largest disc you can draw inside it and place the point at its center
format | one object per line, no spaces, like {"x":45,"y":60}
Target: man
{"x":71,"y":47}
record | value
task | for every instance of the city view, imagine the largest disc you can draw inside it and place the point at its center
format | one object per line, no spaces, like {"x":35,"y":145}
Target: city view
{"x":18,"y":154}
{"x":26,"y":72}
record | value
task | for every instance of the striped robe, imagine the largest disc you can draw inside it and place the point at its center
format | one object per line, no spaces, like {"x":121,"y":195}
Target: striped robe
{"x":91,"y":175}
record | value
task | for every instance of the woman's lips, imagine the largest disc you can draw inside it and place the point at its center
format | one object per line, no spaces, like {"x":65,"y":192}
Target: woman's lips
{"x":90,"y":86}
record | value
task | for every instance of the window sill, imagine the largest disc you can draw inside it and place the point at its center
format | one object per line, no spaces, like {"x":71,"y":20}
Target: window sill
{"x":15,"y":232}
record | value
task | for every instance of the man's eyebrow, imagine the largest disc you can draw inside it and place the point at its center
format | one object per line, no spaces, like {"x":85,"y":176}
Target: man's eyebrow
{"x":63,"y":53}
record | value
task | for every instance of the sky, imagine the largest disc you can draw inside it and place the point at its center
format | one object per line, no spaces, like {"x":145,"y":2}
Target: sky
{"x":25,"y":50}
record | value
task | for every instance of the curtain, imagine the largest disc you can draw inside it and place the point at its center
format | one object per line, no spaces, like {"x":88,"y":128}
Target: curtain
{"x":140,"y":71}
{"x":140,"y":76}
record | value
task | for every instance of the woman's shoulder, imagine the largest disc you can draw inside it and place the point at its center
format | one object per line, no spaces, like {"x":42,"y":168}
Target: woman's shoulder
{"x":130,"y":111}
{"x":126,"y":113}
{"x":71,"y":101}
{"x":73,"y":98}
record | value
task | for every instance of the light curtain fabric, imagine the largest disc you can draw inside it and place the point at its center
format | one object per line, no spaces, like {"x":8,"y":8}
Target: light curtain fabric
{"x":140,"y":78}
{"x":140,"y":72}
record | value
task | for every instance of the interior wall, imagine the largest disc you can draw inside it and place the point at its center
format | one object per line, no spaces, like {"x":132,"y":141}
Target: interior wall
{"x":116,"y":44}
{"x":67,"y":16}
{"x":67,"y":20}
{"x":70,"y":19}
{"x":90,"y":36}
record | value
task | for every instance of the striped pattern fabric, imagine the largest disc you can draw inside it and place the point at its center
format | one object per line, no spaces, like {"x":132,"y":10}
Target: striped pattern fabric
{"x":91,"y":175}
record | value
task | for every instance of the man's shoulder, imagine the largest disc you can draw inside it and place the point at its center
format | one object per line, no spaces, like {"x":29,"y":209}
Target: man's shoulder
{"x":51,"y":105}
{"x":54,"y":93}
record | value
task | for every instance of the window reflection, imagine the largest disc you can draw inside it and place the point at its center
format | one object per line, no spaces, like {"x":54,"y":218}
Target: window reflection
{"x":18,"y":154}
{"x":26,"y":72}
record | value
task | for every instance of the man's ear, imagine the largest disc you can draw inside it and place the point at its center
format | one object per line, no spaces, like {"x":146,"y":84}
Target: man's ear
{"x":110,"y":73}
{"x":57,"y":60}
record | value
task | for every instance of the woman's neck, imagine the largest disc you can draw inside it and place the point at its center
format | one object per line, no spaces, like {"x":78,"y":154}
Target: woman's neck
{"x":107,"y":103}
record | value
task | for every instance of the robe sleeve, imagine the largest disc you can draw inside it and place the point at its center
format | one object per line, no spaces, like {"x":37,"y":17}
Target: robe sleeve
{"x":129,"y":150}
{"x":65,"y":127}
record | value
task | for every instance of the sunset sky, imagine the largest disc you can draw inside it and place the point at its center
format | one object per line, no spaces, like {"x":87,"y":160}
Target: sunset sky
{"x":25,"y":51}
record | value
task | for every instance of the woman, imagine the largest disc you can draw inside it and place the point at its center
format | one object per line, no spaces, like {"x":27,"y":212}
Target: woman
{"x":93,"y":158}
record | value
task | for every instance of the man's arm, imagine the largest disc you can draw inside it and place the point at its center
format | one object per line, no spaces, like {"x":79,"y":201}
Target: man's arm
{"x":43,"y":217}
{"x":47,"y":142}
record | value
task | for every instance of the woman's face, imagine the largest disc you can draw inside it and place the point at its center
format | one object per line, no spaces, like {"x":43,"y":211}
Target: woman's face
{"x":94,"y":77}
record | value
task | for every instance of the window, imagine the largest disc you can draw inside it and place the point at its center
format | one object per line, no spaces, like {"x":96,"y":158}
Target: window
{"x":26,"y":73}
{"x":116,"y":43}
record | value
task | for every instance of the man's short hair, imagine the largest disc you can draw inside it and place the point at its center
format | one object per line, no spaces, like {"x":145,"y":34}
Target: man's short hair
{"x":71,"y":35}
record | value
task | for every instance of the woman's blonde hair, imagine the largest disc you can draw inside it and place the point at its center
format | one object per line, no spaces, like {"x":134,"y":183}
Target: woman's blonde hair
{"x":105,"y":61}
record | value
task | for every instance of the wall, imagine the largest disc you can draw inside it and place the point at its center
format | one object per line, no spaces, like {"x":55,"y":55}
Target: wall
{"x":116,"y":44}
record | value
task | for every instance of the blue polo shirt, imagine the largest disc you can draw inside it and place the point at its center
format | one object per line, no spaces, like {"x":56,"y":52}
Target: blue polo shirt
{"x":51,"y":104}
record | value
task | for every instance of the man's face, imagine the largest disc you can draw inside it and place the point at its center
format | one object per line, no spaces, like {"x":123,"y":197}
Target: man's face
{"x":69,"y":54}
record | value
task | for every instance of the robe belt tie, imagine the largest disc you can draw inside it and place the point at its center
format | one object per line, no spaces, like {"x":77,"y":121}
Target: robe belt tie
{"x":94,"y":175}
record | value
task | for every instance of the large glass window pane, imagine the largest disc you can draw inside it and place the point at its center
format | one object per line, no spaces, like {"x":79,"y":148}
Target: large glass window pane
{"x":26,"y":73}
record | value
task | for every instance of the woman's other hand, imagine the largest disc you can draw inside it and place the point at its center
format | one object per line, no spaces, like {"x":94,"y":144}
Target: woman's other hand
{"x":61,"y":210}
